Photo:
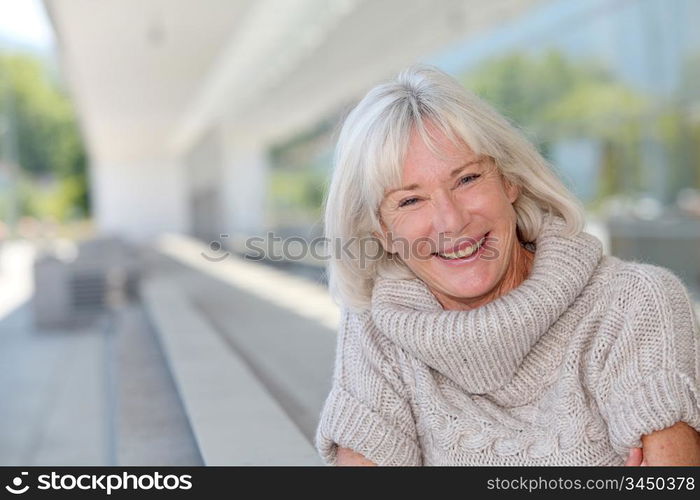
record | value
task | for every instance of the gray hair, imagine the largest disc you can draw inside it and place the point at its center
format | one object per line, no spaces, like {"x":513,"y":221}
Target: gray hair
{"x":368,"y":161}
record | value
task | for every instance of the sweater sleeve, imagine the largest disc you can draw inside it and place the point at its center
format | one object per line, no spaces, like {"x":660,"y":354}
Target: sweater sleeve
{"x":367,"y":409}
{"x":650,"y":379}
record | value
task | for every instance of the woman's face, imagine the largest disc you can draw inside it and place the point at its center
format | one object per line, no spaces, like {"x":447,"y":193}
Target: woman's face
{"x":446,"y":204}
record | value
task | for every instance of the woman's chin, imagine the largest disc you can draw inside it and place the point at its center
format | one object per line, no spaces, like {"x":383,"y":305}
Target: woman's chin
{"x":462,"y":290}
{"x":469,"y":278}
{"x":468,"y":294}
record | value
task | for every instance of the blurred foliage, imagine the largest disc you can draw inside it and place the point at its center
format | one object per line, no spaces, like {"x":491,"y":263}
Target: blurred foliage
{"x":296,"y":195}
{"x":544,"y":92}
{"x":299,"y":174}
{"x":47,"y":141}
{"x":54,"y":200}
{"x":552,"y":98}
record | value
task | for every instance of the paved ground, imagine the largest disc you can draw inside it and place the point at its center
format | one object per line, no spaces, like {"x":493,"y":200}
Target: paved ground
{"x":102,"y":394}
{"x":52,"y":392}
{"x":292,"y":355}
{"x":96,"y":395}
{"x":150,"y":423}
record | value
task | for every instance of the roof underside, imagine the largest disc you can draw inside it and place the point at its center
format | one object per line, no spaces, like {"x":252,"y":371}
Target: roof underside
{"x":149,"y":76}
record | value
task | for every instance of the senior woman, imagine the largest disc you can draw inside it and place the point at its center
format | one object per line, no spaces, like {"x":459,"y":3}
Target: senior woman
{"x":489,"y":328}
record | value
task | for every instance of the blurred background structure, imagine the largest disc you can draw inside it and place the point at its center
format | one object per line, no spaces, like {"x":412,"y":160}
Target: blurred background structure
{"x":143,"y":142}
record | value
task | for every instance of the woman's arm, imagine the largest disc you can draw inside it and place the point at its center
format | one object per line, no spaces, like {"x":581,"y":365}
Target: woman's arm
{"x":651,"y":371}
{"x":635,"y":458}
{"x":348,"y":457}
{"x":675,"y":445}
{"x":368,"y":408}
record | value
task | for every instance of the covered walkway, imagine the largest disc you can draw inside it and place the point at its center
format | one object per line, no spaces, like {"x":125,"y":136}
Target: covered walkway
{"x":118,"y":391}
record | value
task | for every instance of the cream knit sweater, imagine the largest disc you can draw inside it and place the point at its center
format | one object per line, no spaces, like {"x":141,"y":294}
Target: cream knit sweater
{"x":572,"y":367}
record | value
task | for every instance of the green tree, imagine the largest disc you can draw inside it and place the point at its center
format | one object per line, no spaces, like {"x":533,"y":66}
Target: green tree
{"x":47,"y":140}
{"x":552,"y":98}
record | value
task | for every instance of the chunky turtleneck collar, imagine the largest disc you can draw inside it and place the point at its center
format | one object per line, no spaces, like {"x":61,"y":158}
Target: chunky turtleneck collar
{"x":482,"y":348}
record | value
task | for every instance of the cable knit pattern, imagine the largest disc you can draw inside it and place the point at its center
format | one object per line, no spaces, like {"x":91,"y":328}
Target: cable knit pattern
{"x":571,"y":367}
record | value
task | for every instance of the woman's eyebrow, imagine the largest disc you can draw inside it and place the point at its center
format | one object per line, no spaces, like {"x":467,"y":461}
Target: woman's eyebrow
{"x":405,"y":188}
{"x":468,"y":164}
{"x":452,"y":174}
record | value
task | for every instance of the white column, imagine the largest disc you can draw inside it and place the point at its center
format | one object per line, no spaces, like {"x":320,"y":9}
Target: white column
{"x":244,"y":191}
{"x":140,"y":199}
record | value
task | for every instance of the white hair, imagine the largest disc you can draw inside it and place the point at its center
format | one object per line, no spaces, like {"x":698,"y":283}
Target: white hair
{"x":368,"y":161}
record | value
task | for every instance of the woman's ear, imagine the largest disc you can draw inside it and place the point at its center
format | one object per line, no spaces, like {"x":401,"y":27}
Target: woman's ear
{"x":383,"y":240}
{"x":384,"y":236}
{"x":512,"y":190}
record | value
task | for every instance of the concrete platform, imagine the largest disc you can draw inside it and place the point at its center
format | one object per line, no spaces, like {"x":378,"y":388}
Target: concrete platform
{"x":100,"y":394}
{"x":235,"y":420}
{"x":105,"y":394}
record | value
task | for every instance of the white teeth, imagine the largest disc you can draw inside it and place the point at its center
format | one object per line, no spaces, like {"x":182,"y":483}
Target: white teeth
{"x":463,"y":253}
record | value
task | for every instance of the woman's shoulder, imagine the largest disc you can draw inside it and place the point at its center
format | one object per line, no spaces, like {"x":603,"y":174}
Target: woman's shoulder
{"x":638,"y":270}
{"x":646,"y":358}
{"x":362,"y":348}
{"x":634,"y":283}
{"x":354,"y":318}
{"x":650,"y":315}
{"x":358,"y":332}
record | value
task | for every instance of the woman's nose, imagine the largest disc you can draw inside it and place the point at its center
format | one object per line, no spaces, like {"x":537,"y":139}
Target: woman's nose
{"x":448,"y":215}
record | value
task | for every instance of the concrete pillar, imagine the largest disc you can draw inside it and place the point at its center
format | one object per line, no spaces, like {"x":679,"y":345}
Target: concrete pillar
{"x":204,"y":186}
{"x":139,"y":199}
{"x":244,"y":191}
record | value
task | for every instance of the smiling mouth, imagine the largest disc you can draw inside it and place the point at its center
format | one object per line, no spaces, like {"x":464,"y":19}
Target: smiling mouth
{"x":465,"y":252}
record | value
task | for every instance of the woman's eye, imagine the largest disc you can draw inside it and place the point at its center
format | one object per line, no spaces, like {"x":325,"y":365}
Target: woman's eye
{"x":409,"y":201}
{"x":468,"y":178}
{"x":464,"y":180}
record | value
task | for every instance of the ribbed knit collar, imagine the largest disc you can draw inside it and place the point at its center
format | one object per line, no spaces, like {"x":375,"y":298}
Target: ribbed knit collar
{"x":482,"y":348}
